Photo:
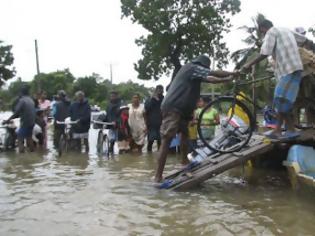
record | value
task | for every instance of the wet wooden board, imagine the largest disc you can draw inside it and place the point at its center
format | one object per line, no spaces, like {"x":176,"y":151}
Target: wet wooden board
{"x":224,"y":162}
{"x":212,"y":159}
{"x":218,"y":163}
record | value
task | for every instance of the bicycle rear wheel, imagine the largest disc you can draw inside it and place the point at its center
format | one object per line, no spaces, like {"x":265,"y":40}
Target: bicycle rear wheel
{"x":231,"y":126}
{"x":105,"y":145}
{"x":8,"y":142}
{"x":62,"y":145}
{"x":99,"y":144}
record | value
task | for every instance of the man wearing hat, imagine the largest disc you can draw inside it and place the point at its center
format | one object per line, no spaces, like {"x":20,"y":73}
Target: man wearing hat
{"x":179,"y":103}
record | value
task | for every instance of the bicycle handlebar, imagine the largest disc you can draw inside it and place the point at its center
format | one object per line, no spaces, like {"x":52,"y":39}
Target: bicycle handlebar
{"x":240,"y":82}
{"x":67,"y":122}
{"x":102,"y":123}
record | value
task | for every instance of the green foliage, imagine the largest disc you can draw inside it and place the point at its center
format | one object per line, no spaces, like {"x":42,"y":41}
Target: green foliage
{"x":253,"y":40}
{"x":96,"y":89}
{"x":127,"y":90}
{"x":52,"y":82}
{"x":262,"y":91}
{"x":86,"y":84}
{"x":179,"y":30}
{"x":7,"y":71}
{"x":9,"y":95}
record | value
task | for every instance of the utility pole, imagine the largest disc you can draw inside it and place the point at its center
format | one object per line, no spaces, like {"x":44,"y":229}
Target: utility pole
{"x":213,"y":68}
{"x":37,"y":59}
{"x":111,"y":73}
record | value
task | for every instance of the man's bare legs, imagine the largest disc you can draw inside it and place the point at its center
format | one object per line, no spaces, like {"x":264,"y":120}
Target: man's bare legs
{"x":280,"y":120}
{"x":21,"y":145}
{"x":284,"y":118}
{"x":184,"y":148}
{"x":289,"y":121}
{"x":30,"y":144}
{"x":163,"y":151}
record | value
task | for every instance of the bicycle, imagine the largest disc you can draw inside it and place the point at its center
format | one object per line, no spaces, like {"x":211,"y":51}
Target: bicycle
{"x":103,"y":142}
{"x":8,"y":137}
{"x":66,"y":137}
{"x":237,"y":122}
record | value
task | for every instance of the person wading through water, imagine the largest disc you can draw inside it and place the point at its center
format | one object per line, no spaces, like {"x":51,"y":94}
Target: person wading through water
{"x":179,"y":103}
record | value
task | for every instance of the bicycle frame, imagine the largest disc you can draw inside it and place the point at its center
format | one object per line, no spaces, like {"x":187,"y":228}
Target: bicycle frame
{"x":105,"y":125}
{"x":236,"y":94}
{"x":103,"y":133}
{"x":67,"y":128}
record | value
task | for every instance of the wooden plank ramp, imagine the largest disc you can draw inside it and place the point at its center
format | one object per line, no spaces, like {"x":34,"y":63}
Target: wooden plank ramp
{"x":217,"y":163}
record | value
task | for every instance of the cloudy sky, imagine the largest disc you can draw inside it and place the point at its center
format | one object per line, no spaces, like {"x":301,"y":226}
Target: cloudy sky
{"x":87,"y":36}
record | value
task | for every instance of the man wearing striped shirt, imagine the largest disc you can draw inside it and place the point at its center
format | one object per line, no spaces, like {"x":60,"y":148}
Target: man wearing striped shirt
{"x":282,"y":45}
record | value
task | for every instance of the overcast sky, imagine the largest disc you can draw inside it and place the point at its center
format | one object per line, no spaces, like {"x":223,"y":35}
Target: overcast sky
{"x":87,"y":36}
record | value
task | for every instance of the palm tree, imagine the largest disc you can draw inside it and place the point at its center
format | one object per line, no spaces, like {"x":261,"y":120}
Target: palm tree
{"x":253,"y":40}
{"x":241,"y":56}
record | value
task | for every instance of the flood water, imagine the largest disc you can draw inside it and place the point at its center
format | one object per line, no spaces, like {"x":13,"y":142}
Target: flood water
{"x":80,"y":194}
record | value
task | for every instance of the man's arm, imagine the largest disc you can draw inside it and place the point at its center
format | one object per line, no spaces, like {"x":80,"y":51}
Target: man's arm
{"x":256,"y":60}
{"x":221,"y":73}
{"x":216,"y":80}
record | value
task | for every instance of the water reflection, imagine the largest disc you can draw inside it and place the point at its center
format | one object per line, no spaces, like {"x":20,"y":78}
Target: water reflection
{"x":75,"y":160}
{"x":80,"y":194}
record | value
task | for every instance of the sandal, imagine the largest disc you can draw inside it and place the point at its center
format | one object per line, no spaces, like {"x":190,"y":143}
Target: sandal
{"x":291,"y":135}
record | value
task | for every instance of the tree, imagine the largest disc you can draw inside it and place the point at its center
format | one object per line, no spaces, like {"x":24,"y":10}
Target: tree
{"x":86,"y":84}
{"x":260,"y":91}
{"x":9,"y":95}
{"x":253,"y":40}
{"x":128,"y":89}
{"x":7,"y":71}
{"x":179,"y":30}
{"x":52,"y":82}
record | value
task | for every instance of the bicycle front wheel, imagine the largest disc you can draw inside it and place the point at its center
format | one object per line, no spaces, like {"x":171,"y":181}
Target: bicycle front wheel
{"x":105,"y":145}
{"x":225,"y":125}
{"x":99,"y":145}
{"x":62,"y":145}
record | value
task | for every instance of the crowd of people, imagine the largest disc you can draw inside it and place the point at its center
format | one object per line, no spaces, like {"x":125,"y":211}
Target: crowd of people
{"x":35,"y":112}
{"x":134,"y":123}
{"x":161,"y":118}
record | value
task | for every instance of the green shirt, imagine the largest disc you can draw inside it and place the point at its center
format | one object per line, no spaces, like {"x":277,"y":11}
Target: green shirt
{"x":208,"y":122}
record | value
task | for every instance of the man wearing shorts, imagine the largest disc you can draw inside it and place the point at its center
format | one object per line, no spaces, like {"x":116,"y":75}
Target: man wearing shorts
{"x":281,"y":43}
{"x":179,"y":104}
{"x":25,"y":109}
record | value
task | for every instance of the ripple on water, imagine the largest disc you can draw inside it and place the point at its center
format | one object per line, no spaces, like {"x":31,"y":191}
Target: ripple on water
{"x":90,"y":195}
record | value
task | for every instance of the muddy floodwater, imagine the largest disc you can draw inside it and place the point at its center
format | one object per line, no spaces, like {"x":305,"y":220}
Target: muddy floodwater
{"x":80,"y":194}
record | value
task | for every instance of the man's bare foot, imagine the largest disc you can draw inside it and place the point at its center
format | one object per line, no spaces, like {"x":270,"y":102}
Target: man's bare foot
{"x":185,"y":162}
{"x":158,"y":179}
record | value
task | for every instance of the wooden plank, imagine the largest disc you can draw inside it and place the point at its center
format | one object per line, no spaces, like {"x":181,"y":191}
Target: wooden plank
{"x":228,"y":161}
{"x":215,"y":158}
{"x":218,"y":163}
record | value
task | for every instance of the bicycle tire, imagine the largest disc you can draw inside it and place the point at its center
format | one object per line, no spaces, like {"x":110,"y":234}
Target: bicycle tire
{"x":7,"y":142}
{"x":99,"y":144}
{"x":105,"y":145}
{"x":62,"y":145}
{"x":232,"y":136}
